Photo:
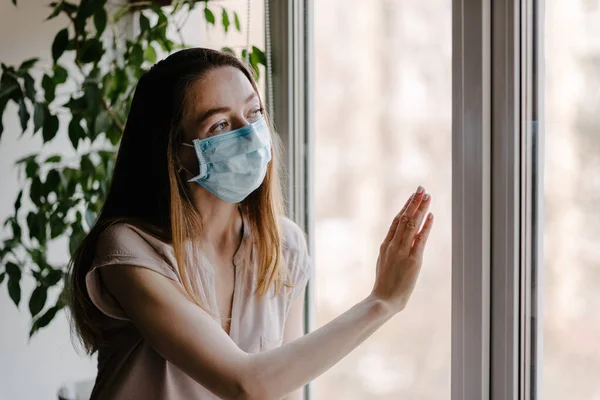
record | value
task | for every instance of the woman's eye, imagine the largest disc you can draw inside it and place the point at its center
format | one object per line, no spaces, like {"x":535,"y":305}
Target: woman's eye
{"x":219,"y":127}
{"x":257,"y":113}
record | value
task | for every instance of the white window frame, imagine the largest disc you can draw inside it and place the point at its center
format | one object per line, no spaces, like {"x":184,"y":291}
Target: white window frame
{"x":291,"y":33}
{"x":495,"y":197}
{"x":471,"y":198}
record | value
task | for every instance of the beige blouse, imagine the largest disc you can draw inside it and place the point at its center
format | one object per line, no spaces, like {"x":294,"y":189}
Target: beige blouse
{"x":128,"y":367}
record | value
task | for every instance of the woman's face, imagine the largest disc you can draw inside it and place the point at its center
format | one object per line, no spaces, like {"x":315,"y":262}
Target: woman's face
{"x":221,"y":101}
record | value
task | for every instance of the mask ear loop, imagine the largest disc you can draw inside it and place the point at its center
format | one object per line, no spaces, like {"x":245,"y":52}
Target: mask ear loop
{"x":181,"y":167}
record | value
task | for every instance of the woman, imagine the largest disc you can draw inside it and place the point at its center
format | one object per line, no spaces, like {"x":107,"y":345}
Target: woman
{"x":190,"y":285}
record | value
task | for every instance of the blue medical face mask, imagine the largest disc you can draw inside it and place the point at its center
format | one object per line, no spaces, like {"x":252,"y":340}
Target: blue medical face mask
{"x":234,"y":164}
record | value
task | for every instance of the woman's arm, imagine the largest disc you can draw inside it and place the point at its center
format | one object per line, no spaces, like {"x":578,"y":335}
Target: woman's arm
{"x":188,"y":337}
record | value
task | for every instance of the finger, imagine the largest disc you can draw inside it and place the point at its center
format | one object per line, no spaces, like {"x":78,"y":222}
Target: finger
{"x":415,"y":222}
{"x":392,"y":231}
{"x":405,"y":217}
{"x":395,"y":222}
{"x":421,"y":239}
{"x":405,"y":205}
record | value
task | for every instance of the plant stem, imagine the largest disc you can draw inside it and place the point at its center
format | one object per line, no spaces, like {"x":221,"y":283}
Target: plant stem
{"x":113,"y":116}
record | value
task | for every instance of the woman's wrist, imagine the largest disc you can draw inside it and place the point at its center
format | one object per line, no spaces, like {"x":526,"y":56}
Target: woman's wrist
{"x":380,"y":307}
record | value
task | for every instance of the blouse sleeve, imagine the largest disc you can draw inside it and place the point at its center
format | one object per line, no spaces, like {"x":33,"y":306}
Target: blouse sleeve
{"x":299,"y":262}
{"x":123,"y":245}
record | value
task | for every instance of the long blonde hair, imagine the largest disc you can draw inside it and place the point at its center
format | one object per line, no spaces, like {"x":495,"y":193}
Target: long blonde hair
{"x":147,"y":189}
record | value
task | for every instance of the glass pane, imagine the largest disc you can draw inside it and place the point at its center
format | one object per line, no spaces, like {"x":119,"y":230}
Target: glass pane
{"x":571,"y":299}
{"x":383,"y":126}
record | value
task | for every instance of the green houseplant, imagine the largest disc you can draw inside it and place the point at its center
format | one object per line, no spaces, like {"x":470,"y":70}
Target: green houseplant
{"x":96,"y":67}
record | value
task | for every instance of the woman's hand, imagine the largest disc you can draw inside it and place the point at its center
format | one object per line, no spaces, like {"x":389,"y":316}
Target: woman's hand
{"x":401,"y":253}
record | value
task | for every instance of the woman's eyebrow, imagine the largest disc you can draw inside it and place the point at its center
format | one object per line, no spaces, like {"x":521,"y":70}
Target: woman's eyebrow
{"x":209,"y":113}
{"x":218,"y":110}
{"x":251,"y":97}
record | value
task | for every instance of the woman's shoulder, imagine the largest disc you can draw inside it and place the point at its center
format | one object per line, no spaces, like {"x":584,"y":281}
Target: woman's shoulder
{"x":294,"y":238}
{"x":126,"y":238}
{"x":295,"y":250}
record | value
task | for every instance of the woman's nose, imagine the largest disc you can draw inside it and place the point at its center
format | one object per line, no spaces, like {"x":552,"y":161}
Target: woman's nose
{"x":239,"y":121}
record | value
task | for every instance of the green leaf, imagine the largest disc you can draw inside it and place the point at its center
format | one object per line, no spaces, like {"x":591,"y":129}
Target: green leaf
{"x":90,"y":218}
{"x":93,"y":98}
{"x":14,"y":2}
{"x":9,"y":82}
{"x":77,"y":236}
{"x":52,"y":182}
{"x":150,"y":54}
{"x":54,"y":276}
{"x":60,"y":74}
{"x":38,"y":256}
{"x":2,"y":107}
{"x":16,"y":228}
{"x":103,"y":122}
{"x":27,"y":64}
{"x":165,"y":44}
{"x":18,"y":201}
{"x":37,"y":301}
{"x":14,"y":290}
{"x":42,"y":229}
{"x":29,"y":87}
{"x":88,"y":7}
{"x":100,"y":18}
{"x":123,"y":10}
{"x":26,"y":159}
{"x":53,"y":159}
{"x":62,"y":5}
{"x":77,"y":105}
{"x":136,"y":57}
{"x":60,"y":44}
{"x":91,"y":51}
{"x":114,"y":134}
{"x":44,"y":320}
{"x":209,"y":16}
{"x":121,"y":82}
{"x":76,"y":132}
{"x":32,"y":225}
{"x":50,"y":127}
{"x":7,"y":89}
{"x":23,"y":115}
{"x":225,"y":20}
{"x":49,"y":88}
{"x":236,"y":21}
{"x":39,"y":110}
{"x":14,"y":282}
{"x":144,"y":23}
{"x":31,"y":165}
{"x":2,"y":275}
{"x":228,"y":50}
{"x":35,"y":191}
{"x":13,"y":270}
{"x":86,"y":165}
{"x":57,"y":228}
{"x":54,"y":13}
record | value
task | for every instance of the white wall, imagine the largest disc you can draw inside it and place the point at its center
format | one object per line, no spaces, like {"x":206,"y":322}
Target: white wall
{"x":35,"y":369}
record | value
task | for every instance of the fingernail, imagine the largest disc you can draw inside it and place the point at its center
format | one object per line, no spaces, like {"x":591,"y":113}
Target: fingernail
{"x":420,"y":190}
{"x":430,"y":216}
{"x":426,"y":197}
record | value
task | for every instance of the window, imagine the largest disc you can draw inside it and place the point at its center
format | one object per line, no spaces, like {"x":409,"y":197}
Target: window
{"x":382,"y":99}
{"x":508,"y":297}
{"x":571,"y":222}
